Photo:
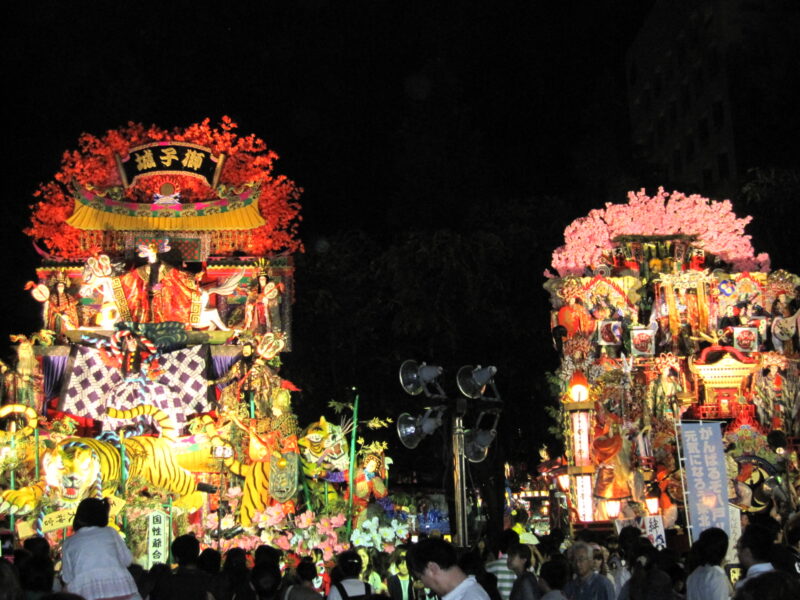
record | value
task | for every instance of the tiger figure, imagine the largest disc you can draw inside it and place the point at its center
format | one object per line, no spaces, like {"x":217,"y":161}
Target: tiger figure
{"x":78,"y":468}
{"x":272,"y":479}
{"x":325,"y":458}
{"x":324,"y":448}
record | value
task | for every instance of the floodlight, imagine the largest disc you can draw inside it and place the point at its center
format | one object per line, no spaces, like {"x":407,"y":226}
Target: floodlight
{"x":415,"y":378}
{"x":411,"y":429}
{"x":478,"y":440}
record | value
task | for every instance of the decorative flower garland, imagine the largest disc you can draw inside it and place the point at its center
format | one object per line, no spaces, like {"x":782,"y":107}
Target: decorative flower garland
{"x":716,"y":226}
{"x":93,"y":166}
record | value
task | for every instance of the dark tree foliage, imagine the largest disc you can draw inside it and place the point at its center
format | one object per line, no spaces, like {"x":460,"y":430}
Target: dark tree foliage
{"x":450,"y":297}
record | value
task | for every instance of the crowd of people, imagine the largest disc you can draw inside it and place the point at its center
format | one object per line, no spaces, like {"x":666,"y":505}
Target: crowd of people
{"x":95,"y":564}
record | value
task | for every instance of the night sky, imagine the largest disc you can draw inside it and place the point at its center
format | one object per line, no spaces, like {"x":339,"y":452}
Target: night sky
{"x":388,"y":114}
{"x":392,"y":116}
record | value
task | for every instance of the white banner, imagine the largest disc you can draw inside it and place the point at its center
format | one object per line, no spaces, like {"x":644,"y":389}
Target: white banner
{"x":651,"y":526}
{"x":157,"y":538}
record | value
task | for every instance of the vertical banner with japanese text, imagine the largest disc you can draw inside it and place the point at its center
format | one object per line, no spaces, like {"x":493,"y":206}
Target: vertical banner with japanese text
{"x":157,"y":538}
{"x":705,"y":477}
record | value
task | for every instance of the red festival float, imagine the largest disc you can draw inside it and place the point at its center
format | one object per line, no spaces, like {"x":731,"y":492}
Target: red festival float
{"x":666,"y":320}
{"x":166,"y":287}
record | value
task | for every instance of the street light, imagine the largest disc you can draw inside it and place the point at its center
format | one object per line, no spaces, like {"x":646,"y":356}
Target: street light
{"x":472,"y":383}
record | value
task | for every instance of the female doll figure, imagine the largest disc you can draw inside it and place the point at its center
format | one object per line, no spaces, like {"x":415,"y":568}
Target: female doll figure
{"x":59,"y":309}
{"x":95,"y":559}
{"x":261,"y":302}
{"x":784,"y":329}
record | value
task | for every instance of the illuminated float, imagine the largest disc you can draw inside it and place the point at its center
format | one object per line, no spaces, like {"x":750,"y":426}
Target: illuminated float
{"x":664,"y":317}
{"x":166,"y":287}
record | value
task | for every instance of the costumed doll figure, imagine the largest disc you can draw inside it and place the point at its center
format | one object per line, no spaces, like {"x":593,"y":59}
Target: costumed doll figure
{"x":370,"y":483}
{"x":157,"y":292}
{"x":251,"y":380}
{"x":659,"y":324}
{"x":136,"y":359}
{"x":325,"y":459}
{"x":273,"y":440}
{"x":769,"y":391}
{"x":261,"y":314}
{"x":24,"y":383}
{"x":697,"y":259}
{"x":578,"y":357}
{"x":59,"y":309}
{"x":663,"y":395}
{"x":284,"y":452}
{"x":574,"y":316}
{"x":612,"y":454}
{"x":784,"y":328}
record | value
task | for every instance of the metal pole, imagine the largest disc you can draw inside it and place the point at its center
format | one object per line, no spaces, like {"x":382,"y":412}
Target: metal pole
{"x":459,"y":485}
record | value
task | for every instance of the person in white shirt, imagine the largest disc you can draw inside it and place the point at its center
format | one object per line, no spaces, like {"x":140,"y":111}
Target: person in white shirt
{"x":434,"y":562}
{"x":708,"y":581}
{"x":94,"y":560}
{"x":753,"y":549}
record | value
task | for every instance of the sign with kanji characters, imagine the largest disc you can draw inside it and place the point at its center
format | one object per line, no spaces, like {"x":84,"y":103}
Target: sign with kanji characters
{"x":62,"y":519}
{"x":735,"y":516}
{"x":706,"y":478}
{"x":157,"y":538}
{"x":651,"y":526}
{"x":170,"y":157}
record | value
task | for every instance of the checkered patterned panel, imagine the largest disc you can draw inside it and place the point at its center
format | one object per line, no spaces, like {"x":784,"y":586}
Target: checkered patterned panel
{"x":179,"y":391}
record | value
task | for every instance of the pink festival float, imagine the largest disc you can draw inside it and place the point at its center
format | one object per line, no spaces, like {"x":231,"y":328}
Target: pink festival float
{"x":166,"y":288}
{"x":679,"y":367}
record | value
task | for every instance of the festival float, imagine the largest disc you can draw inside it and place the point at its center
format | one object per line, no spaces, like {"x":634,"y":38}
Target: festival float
{"x":678,"y":377}
{"x":166,"y":286}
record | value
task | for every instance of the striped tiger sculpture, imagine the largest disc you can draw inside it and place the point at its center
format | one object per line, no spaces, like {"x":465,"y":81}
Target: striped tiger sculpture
{"x":273,"y":480}
{"x":78,"y":468}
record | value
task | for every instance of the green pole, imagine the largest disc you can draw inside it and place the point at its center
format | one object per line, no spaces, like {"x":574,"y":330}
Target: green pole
{"x":123,"y":477}
{"x":351,"y":472}
{"x":169,"y":521}
{"x":306,"y":493}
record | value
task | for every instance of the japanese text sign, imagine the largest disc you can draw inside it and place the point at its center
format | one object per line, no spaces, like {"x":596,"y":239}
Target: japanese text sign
{"x":170,"y":157}
{"x":157,"y":538}
{"x":705,"y":476}
{"x":651,"y":526}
